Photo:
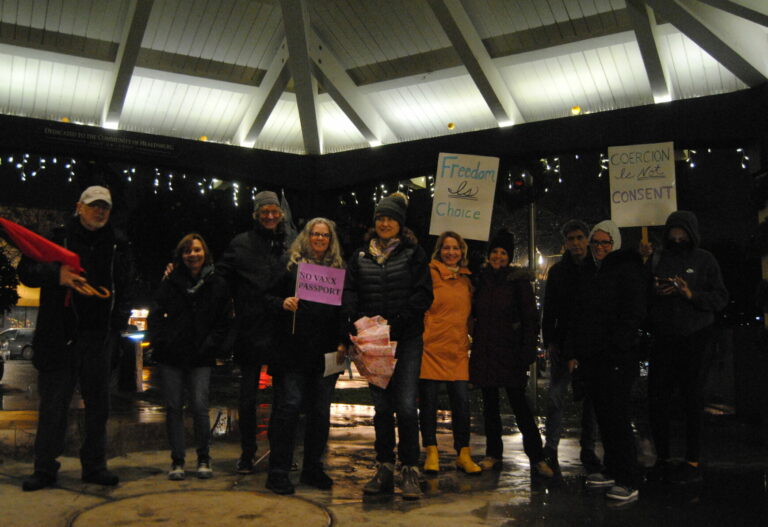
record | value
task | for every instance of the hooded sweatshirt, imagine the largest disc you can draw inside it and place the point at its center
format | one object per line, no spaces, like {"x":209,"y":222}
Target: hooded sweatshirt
{"x":675,"y":314}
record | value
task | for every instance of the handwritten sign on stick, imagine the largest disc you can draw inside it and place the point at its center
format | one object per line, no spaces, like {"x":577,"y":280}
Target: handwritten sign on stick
{"x":642,"y":184}
{"x":464,"y":189}
{"x":318,"y":283}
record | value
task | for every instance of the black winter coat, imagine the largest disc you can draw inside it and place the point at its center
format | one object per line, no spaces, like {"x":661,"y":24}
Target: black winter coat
{"x":252,"y":265}
{"x":505,"y":328}
{"x":189,"y":322}
{"x":559,"y":300}
{"x":400,"y":289}
{"x":610,"y":309}
{"x":108,"y":261}
{"x":318,"y":330}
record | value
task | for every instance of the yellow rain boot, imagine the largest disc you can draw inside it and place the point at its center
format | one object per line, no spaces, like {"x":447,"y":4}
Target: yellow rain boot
{"x":465,"y":463}
{"x":432,"y":463}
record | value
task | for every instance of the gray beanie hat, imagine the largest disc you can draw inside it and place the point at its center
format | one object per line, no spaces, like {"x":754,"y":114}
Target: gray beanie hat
{"x":265,"y":197}
{"x":574,"y":225}
{"x":393,"y":206}
{"x":612,"y":229}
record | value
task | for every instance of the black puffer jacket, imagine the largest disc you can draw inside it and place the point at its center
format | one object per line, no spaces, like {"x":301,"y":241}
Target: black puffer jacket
{"x":252,"y":265}
{"x":188,"y":323}
{"x":400,"y":289}
{"x":610,"y":309}
{"x":674,"y":314}
{"x":318,"y":330}
{"x":108,"y":261}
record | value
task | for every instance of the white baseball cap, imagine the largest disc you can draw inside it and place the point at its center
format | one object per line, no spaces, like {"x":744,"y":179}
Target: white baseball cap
{"x":96,"y":193}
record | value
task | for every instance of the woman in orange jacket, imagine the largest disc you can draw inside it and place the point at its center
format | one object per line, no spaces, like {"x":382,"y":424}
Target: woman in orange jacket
{"x":446,"y":351}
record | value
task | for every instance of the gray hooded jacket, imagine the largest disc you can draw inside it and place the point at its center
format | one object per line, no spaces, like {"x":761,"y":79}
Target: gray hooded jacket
{"x":676,"y":315}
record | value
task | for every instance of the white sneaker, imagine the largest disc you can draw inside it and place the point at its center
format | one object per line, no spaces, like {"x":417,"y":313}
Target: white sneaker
{"x":598,"y":479}
{"x":177,"y":473}
{"x":622,"y":493}
{"x":204,"y":470}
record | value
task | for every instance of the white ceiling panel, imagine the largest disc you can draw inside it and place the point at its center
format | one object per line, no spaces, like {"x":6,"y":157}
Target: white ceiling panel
{"x":50,"y":90}
{"x":692,"y":71}
{"x":338,"y":132}
{"x":238,"y":32}
{"x":363,"y":32}
{"x":204,"y":64}
{"x":282,"y":131}
{"x":425,"y":109}
{"x":602,"y":79}
{"x":181,"y":110}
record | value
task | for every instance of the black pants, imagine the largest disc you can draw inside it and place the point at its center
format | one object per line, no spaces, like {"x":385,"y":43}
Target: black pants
{"x":249,"y":397}
{"x":90,"y":368}
{"x":610,"y":386}
{"x":294,"y":391}
{"x":525,"y":422}
{"x":676,"y":361}
{"x":458,"y":394}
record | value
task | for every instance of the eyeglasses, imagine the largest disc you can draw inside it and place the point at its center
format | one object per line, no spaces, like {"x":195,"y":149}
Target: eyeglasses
{"x":267,"y":213}
{"x":601,"y":243}
{"x":320,"y":234}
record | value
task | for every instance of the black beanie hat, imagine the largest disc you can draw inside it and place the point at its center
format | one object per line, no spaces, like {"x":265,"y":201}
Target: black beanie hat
{"x":504,"y":239}
{"x":393,"y":206}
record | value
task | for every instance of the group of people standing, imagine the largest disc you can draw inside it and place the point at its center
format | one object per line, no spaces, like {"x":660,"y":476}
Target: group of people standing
{"x":436,"y":310}
{"x":598,"y":299}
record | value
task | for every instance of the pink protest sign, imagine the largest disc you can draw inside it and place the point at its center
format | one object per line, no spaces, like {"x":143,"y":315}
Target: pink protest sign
{"x":319,"y":283}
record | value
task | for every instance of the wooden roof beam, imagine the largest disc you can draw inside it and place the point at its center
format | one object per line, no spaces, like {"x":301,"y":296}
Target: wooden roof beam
{"x":297,"y":34}
{"x":468,"y":44}
{"x":125,"y":62}
{"x":644,"y":24}
{"x":714,"y":35}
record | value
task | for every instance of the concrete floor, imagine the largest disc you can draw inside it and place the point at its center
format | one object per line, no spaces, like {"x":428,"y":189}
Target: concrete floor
{"x":734,"y":491}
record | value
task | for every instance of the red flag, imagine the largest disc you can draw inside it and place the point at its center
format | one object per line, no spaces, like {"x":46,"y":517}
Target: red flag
{"x":38,"y":248}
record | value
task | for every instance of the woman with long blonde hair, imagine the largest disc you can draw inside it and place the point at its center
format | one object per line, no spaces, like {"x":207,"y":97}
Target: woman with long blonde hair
{"x":306,"y":332}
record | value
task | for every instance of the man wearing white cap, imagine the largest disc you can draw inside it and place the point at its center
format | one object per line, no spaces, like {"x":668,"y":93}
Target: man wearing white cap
{"x":75,"y":334}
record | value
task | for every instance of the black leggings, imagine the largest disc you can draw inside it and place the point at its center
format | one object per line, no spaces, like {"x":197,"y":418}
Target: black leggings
{"x":494,"y":447}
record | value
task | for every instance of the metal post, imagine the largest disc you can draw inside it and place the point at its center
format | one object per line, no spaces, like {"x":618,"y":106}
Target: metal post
{"x":532,"y":266}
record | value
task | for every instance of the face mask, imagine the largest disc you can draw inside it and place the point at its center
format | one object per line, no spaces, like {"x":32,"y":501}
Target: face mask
{"x":682,"y":245}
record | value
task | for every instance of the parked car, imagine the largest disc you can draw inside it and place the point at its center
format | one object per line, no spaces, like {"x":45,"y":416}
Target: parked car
{"x":16,"y":343}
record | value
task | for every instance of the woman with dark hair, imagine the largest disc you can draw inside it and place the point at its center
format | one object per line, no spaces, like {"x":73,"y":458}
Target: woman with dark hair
{"x":186,"y":327}
{"x":504,"y":345}
{"x":306,"y":331}
{"x":389,"y":276}
{"x":446,"y":351}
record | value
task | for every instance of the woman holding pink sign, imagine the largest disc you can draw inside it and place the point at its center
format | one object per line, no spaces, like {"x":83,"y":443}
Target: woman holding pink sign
{"x":307,"y":330}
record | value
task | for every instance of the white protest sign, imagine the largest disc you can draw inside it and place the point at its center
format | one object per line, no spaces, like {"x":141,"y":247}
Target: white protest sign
{"x":464,"y":189}
{"x":642,"y":178}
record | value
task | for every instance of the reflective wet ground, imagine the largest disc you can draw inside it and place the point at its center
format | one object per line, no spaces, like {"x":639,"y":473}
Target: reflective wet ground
{"x":734,"y":490}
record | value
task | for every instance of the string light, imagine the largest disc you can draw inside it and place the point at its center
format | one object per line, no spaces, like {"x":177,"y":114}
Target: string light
{"x":744,"y":158}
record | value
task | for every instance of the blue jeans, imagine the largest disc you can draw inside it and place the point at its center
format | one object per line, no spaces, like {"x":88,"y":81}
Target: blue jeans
{"x":458,"y":394}
{"x":399,"y":398}
{"x":558,"y":387}
{"x":295,"y":391}
{"x":196,"y":381}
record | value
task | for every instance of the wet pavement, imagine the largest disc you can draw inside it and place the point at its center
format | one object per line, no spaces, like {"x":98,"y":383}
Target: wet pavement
{"x":734,"y":490}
